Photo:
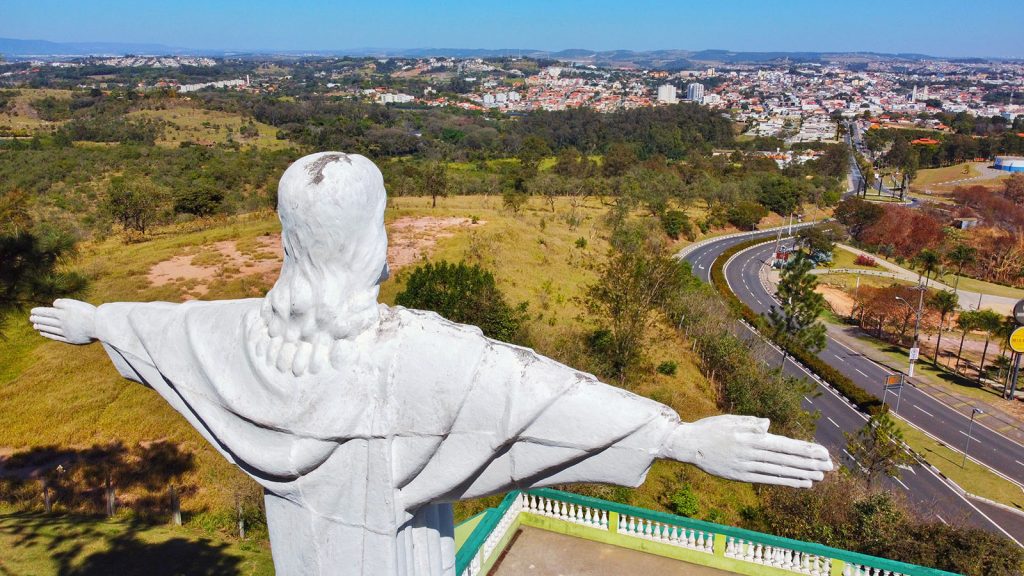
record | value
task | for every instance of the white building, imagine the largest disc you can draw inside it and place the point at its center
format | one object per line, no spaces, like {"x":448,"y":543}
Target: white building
{"x":667,"y":94}
{"x":695,"y":92}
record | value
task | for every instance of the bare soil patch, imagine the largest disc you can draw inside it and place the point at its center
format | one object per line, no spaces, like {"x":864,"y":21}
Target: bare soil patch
{"x":838,"y":300}
{"x":410,"y":239}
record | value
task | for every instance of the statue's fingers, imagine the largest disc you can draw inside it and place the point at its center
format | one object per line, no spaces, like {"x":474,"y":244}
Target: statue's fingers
{"x":44,"y":320}
{"x":44,"y":328}
{"x":785,"y":471}
{"x":46,"y":311}
{"x":790,"y":446}
{"x":792,"y":460}
{"x":778,"y":480}
{"x":62,"y":303}
{"x":55,"y":337}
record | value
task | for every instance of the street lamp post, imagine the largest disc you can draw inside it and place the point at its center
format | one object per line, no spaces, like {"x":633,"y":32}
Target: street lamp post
{"x":917,"y":329}
{"x":970,"y":428}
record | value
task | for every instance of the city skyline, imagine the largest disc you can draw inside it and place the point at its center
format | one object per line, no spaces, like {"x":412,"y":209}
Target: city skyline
{"x":939,"y":29}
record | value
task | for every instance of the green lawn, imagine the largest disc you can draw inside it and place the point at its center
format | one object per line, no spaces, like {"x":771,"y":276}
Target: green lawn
{"x":849,"y":281}
{"x":932,"y":176}
{"x":846,"y":259}
{"x":982,"y":287}
{"x":39,"y":545}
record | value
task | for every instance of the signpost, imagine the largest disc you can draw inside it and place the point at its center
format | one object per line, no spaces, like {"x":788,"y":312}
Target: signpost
{"x":894,"y":384}
{"x":1017,"y":345}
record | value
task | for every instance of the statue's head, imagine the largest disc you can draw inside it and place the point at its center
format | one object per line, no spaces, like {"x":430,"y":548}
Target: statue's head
{"x":331,"y":207}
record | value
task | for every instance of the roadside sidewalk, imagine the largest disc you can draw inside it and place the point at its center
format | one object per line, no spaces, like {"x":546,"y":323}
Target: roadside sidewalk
{"x":995,"y":417}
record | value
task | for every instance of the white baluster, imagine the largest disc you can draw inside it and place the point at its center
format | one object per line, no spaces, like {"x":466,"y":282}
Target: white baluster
{"x":691,"y":541}
{"x":622,"y":523}
{"x":758,"y":553}
{"x":632,"y":526}
{"x":563,"y":512}
{"x":710,"y":548}
{"x":604,"y":519}
{"x":589,"y":515}
{"x":730,"y":547}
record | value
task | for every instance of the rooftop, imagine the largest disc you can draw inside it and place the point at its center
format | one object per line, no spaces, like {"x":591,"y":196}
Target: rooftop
{"x":546,"y":531}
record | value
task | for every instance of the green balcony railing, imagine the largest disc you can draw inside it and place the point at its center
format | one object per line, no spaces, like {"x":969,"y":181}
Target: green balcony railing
{"x":695,"y":541}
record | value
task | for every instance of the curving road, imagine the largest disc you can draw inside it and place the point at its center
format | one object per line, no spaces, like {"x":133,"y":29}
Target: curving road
{"x":930,"y":494}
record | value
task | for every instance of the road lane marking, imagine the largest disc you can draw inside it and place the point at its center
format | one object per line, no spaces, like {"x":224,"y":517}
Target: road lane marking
{"x":862,"y":373}
{"x":810,"y":402}
{"x":902,"y":484}
{"x":829,"y":418}
{"x":941,"y":519}
{"x":923,"y":410}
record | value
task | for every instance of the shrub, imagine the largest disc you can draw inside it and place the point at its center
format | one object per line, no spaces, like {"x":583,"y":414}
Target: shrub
{"x":684,"y":501}
{"x":675,"y":222}
{"x":668,"y":368}
{"x":865,"y":260}
{"x":465,"y":294}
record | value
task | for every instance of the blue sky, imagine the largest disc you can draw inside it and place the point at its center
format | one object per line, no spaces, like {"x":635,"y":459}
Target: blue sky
{"x":938,"y":27}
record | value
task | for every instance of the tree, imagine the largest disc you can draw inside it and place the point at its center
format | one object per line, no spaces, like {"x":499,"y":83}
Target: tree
{"x":432,"y":179}
{"x":990,"y":323}
{"x":966,"y":322}
{"x":819,"y":239}
{"x":632,"y":283}
{"x":32,"y":260}
{"x":944,"y":302}
{"x":619,"y":158}
{"x":796,"y":322}
{"x":928,"y":261}
{"x":960,"y":256}
{"x":464,"y":294}
{"x":878,"y":449}
{"x":745,"y":214}
{"x":858,"y":215}
{"x":135,"y":204}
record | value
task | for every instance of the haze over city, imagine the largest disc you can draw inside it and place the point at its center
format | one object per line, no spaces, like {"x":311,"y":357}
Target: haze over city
{"x":939,"y":28}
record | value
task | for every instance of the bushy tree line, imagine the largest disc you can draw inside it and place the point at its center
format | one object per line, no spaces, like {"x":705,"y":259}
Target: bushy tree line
{"x":843,"y":512}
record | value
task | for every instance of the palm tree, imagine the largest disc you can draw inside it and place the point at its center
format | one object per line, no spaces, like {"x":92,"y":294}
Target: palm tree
{"x":966,"y":322}
{"x":945,"y":303}
{"x":960,"y":256}
{"x":991,"y":323}
{"x":928,"y":260}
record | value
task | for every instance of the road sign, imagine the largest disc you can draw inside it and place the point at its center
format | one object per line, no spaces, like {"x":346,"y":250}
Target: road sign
{"x":1018,"y":312}
{"x":893,"y":380}
{"x":914,"y":353}
{"x":1017,"y":339}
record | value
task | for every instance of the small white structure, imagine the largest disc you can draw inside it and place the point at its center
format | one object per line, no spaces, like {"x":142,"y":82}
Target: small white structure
{"x":364,"y":422}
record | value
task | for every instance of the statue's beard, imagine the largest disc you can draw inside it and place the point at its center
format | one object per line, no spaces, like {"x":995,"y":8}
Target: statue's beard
{"x":306,"y":324}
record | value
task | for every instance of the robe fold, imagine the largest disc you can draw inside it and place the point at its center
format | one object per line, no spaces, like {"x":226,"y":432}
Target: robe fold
{"x":361,"y":461}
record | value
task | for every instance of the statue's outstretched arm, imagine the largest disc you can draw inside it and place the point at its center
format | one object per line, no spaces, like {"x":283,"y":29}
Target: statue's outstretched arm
{"x":68,"y":321}
{"x":740,"y":448}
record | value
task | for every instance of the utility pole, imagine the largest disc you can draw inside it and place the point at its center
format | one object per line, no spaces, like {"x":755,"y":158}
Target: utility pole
{"x":970,"y":428}
{"x":915,"y":350}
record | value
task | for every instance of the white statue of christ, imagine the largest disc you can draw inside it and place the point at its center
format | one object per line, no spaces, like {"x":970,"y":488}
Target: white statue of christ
{"x":364,"y":422}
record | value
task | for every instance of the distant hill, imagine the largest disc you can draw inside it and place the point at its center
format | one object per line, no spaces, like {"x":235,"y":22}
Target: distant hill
{"x":652,"y":59}
{"x":13,"y":47}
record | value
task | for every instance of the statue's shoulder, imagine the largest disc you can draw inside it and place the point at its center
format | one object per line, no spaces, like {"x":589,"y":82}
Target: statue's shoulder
{"x":425,"y":322}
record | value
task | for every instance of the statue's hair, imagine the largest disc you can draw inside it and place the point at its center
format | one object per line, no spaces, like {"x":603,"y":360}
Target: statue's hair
{"x":331,"y":207}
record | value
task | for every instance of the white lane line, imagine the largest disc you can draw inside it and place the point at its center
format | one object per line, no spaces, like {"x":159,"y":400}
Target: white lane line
{"x":902,"y":484}
{"x":1019,"y":462}
{"x":810,"y":402}
{"x":829,"y":418}
{"x":923,"y":410}
{"x":862,"y":373}
{"x":838,"y":357}
{"x":941,"y":519}
{"x":972,"y":437}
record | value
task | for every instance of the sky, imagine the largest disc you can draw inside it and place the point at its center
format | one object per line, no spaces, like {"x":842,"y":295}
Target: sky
{"x":936,"y":27}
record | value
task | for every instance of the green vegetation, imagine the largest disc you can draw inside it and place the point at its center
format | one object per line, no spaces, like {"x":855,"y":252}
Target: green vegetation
{"x":877,"y":448}
{"x":463,"y":294}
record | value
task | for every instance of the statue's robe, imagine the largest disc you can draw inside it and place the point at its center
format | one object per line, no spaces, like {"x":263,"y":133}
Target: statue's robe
{"x":361,"y":461}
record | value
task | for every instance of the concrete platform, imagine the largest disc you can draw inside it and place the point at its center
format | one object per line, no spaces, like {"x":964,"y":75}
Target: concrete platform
{"x":542,"y":553}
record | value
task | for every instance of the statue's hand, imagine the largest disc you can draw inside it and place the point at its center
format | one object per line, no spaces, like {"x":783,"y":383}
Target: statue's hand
{"x":69,"y":321}
{"x":740,"y":448}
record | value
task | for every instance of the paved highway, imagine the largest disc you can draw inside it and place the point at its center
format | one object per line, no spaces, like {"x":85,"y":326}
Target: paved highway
{"x":930,"y":494}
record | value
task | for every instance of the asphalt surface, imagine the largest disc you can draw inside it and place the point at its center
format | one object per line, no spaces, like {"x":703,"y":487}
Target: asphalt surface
{"x":929,"y":493}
